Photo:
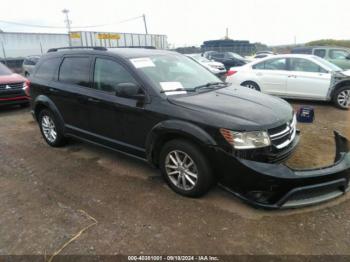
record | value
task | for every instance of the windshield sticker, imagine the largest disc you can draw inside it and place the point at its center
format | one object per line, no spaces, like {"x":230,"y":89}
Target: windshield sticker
{"x":172,"y":88}
{"x":142,"y":62}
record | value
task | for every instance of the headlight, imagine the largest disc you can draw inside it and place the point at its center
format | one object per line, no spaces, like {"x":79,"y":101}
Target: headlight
{"x":246,"y":140}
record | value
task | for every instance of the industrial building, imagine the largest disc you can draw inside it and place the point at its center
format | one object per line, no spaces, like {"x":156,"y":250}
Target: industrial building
{"x":19,"y":45}
{"x":241,"y":47}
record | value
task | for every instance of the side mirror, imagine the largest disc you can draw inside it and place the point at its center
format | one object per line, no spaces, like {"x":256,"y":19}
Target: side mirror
{"x":129,"y":90}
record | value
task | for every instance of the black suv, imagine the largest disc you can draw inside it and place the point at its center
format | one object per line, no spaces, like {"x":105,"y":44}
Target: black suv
{"x":163,"y":107}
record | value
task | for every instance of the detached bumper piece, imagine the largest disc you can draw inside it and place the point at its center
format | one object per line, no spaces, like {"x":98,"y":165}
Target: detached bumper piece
{"x":276,"y":186}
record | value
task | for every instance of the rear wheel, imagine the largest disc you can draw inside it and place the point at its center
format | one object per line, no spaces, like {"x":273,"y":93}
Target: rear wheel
{"x":51,"y":128}
{"x":341,"y":97}
{"x":251,"y":85}
{"x":185,"y":168}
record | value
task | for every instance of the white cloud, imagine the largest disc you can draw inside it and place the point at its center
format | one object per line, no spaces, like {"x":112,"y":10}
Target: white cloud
{"x":190,"y":22}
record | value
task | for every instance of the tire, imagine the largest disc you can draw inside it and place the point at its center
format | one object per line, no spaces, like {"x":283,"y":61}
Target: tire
{"x":341,"y":97}
{"x":51,"y":128}
{"x":194,"y":186}
{"x":251,"y":85}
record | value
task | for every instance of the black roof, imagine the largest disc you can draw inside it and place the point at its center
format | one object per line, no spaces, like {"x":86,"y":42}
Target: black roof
{"x":126,"y":53}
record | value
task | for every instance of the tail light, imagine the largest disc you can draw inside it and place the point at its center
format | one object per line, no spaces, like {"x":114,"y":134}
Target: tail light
{"x":231,"y":72}
{"x":26,"y":87}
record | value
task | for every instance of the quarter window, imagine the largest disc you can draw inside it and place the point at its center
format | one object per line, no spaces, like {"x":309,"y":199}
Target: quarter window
{"x":320,"y":52}
{"x":47,"y":69}
{"x":75,"y":70}
{"x":108,"y":74}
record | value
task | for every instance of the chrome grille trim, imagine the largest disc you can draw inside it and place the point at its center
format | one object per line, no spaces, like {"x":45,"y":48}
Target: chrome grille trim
{"x":11,"y":86}
{"x":288,"y":133}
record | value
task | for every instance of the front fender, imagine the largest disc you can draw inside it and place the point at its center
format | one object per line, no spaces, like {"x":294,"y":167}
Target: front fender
{"x":174,"y":128}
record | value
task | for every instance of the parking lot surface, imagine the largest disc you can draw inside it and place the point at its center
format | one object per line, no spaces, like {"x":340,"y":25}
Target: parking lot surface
{"x":48,"y":195}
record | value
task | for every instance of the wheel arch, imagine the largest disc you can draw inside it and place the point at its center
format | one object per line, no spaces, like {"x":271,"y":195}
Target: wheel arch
{"x":175,"y":129}
{"x":339,"y":85}
{"x":251,"y":81}
{"x":41,"y":102}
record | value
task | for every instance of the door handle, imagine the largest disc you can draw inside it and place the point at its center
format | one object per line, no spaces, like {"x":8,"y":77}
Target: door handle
{"x":294,"y":76}
{"x":90,"y":99}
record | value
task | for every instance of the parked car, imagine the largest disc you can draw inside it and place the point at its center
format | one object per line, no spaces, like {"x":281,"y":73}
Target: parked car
{"x":29,"y":64}
{"x":229,"y":59}
{"x":339,"y":56}
{"x":14,"y":89}
{"x":167,"y":109}
{"x":296,"y":76}
{"x":216,"y":68}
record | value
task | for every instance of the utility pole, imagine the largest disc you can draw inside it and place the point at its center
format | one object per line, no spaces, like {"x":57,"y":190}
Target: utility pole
{"x":144,"y":21}
{"x":68,"y":22}
{"x":226,"y":37}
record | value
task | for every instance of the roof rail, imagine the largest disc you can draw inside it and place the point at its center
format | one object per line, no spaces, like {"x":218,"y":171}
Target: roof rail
{"x":100,"y":48}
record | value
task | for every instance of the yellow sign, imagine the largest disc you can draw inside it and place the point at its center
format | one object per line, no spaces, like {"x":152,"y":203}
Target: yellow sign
{"x":75,"y":35}
{"x":108,"y":36}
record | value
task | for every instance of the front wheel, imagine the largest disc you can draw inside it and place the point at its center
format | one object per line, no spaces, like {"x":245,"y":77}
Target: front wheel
{"x":341,"y":97}
{"x":185,"y":168}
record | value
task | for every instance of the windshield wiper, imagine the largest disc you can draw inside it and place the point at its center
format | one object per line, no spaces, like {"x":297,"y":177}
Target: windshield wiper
{"x":212,"y":85}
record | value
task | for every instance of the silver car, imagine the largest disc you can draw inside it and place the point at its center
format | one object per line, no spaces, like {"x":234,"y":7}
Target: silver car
{"x":29,"y":64}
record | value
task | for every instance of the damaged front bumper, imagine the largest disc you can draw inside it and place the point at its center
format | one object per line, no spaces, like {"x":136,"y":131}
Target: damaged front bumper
{"x":277,"y":186}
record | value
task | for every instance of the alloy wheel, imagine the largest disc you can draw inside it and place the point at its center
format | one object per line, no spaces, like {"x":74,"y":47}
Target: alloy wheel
{"x":344,"y":98}
{"x":49,"y":128}
{"x":181,"y":170}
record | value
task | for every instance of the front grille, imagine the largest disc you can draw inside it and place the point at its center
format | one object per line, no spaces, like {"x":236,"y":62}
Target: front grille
{"x":283,"y":135}
{"x":12,"y":86}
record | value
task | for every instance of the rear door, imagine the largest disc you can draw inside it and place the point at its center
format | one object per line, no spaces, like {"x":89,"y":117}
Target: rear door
{"x":272,"y":75}
{"x":70,"y":90}
{"x":307,"y":79}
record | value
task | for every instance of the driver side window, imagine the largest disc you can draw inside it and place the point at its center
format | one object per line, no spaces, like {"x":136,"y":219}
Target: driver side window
{"x":108,"y":74}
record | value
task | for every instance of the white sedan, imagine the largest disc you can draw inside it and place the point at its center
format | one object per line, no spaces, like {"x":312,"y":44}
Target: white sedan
{"x":216,"y":68}
{"x":295,"y":76}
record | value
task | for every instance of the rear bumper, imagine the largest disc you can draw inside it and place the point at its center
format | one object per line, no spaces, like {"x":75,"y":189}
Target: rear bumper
{"x":275,"y":186}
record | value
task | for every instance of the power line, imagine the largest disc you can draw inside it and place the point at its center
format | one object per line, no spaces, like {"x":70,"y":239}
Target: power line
{"x":63,"y":27}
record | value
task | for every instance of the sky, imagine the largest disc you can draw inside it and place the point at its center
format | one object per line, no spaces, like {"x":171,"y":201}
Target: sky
{"x":190,"y":22}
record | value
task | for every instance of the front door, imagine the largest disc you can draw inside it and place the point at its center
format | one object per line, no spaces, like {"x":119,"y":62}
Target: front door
{"x":114,"y":120}
{"x":307,"y":80}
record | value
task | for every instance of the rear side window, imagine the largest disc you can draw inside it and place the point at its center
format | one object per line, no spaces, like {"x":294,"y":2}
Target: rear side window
{"x":108,"y":74}
{"x":75,"y":70}
{"x":47,"y":69}
{"x":320,"y":52}
{"x":273,"y":64}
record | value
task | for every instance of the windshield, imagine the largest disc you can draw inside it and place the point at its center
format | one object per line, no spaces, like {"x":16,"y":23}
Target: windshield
{"x":328,"y":65}
{"x":4,"y":70}
{"x":200,"y":58}
{"x":172,"y":70}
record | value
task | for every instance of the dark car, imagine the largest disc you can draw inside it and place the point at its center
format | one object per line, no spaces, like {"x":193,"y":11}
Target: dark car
{"x":165,"y":108}
{"x":229,"y":59}
{"x":14,"y":89}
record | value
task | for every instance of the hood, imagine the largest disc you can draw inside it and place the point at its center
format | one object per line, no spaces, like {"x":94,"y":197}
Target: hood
{"x":13,"y":78}
{"x":346,"y":72}
{"x":237,"y":108}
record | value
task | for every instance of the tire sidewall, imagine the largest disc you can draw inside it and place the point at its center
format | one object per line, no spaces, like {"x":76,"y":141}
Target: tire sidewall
{"x":335,"y":98}
{"x":204,"y":179}
{"x":256,"y":86}
{"x":59,"y":138}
